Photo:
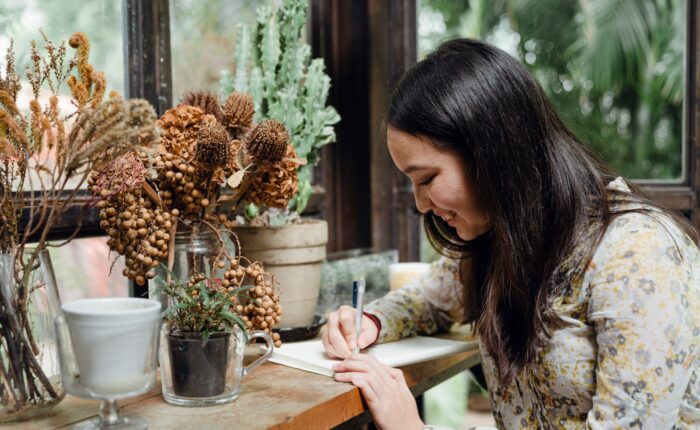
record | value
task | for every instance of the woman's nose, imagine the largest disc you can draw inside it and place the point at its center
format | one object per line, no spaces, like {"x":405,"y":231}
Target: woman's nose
{"x":423,"y":202}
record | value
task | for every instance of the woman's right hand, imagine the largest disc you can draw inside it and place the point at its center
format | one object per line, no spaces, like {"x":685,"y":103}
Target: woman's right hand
{"x":339,"y":336}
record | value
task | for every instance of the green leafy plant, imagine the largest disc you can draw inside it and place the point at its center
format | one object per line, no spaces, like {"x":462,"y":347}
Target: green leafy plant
{"x":201,"y":305}
{"x":274,"y":66}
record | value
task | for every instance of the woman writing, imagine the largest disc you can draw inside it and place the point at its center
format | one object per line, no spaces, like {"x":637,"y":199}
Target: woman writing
{"x":585,"y":294}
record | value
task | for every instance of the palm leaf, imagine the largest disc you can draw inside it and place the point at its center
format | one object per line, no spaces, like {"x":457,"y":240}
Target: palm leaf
{"x":616,"y":39}
{"x":672,"y":79}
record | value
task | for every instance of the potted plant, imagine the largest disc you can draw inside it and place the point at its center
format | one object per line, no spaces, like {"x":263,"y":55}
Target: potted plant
{"x":206,"y":329}
{"x":274,"y":65}
{"x":45,"y":157}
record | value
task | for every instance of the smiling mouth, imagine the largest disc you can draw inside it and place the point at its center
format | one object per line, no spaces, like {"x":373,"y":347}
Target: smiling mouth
{"x":448,"y":217}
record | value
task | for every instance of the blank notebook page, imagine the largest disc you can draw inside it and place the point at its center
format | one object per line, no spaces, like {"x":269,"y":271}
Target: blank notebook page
{"x":310,"y":355}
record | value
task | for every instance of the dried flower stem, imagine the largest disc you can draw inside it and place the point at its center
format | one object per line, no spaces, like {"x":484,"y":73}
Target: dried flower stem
{"x":102,"y":131}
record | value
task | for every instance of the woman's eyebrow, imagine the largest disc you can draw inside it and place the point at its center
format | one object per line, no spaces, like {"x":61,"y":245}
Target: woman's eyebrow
{"x":413,"y":168}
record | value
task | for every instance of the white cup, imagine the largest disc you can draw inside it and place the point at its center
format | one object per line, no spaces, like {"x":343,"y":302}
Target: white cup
{"x":402,"y":273}
{"x":113,"y":342}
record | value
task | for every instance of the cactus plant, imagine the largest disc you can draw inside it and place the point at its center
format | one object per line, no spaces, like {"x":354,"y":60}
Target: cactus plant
{"x":274,"y":65}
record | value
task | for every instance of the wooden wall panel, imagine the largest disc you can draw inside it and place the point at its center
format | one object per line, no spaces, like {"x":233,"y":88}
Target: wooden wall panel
{"x":338,"y":34}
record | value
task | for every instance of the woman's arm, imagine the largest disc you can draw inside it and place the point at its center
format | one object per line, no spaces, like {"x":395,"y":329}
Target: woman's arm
{"x":426,"y":305}
{"x":644,"y":307}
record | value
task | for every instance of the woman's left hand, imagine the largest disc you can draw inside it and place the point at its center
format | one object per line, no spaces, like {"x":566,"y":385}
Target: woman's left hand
{"x":390,"y":401}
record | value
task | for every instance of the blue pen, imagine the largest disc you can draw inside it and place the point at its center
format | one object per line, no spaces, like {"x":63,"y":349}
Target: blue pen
{"x":358,"y":293}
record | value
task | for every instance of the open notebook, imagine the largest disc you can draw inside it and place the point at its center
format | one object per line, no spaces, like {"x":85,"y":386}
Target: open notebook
{"x":310,"y":356}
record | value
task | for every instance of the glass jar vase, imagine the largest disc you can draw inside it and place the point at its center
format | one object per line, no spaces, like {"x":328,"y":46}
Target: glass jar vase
{"x":196,"y":250}
{"x":30,"y":381}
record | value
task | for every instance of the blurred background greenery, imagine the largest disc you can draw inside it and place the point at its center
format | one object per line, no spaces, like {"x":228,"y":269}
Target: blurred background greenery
{"x":101,"y":20}
{"x":613,"y":68}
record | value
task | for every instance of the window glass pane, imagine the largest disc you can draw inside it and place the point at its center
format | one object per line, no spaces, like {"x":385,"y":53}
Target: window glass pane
{"x":613,"y":69}
{"x":100,"y":20}
{"x":82,"y":269}
{"x":202,"y":40}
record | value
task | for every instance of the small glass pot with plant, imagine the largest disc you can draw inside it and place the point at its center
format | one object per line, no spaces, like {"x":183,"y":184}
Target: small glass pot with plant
{"x":205,"y":332}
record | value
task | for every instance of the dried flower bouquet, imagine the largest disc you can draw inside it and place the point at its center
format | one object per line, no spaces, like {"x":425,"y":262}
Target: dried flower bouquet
{"x":211,"y":159}
{"x":45,"y":156}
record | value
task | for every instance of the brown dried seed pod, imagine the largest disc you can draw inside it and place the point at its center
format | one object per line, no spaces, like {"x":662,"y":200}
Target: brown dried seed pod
{"x":212,"y":145}
{"x":179,"y":126}
{"x":237,"y":113}
{"x":268,"y":142}
{"x":204,"y":100}
{"x":276,"y":185}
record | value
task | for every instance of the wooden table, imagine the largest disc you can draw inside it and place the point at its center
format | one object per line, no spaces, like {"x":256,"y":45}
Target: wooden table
{"x":272,"y":397}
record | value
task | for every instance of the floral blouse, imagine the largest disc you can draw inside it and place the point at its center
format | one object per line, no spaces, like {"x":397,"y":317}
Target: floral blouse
{"x":627,"y":356}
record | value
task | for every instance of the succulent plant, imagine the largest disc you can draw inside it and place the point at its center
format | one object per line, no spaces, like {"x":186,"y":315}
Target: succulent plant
{"x":274,"y":66}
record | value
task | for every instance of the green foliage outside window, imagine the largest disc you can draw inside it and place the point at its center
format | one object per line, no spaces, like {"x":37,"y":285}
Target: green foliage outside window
{"x":613,"y":68}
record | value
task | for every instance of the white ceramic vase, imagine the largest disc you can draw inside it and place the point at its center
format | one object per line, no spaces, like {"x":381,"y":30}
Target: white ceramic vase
{"x":113,"y":343}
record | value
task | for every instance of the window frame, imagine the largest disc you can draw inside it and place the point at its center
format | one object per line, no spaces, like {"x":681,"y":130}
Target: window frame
{"x":683,"y":196}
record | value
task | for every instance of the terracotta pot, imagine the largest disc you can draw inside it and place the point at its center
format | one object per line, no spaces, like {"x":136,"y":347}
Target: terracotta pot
{"x":294,"y":254}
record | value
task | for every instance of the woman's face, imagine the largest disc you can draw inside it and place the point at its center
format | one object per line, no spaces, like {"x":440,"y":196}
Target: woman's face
{"x":440,"y":183}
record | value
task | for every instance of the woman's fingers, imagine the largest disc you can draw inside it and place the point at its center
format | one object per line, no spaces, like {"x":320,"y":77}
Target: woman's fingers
{"x":361,"y":381}
{"x":339,"y":337}
{"x":346,"y":319}
{"x":338,"y":344}
{"x":333,"y":339}
{"x":366,"y":371}
{"x":367,"y":364}
{"x":387,"y":395}
{"x":397,"y":374}
{"x":326,"y":342}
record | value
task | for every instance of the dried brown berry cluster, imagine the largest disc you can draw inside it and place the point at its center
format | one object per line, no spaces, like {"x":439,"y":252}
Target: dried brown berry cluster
{"x":261,"y":309}
{"x":137,"y":228}
{"x":203,"y":146}
{"x":180,"y":186}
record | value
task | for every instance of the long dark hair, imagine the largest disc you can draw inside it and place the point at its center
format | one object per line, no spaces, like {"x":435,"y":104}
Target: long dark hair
{"x":540,"y":187}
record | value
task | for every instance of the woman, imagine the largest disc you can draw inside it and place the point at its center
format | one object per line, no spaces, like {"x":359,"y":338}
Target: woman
{"x":584,"y":293}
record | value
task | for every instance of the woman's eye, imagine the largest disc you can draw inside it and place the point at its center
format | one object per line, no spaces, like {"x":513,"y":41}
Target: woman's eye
{"x":427,"y":180}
